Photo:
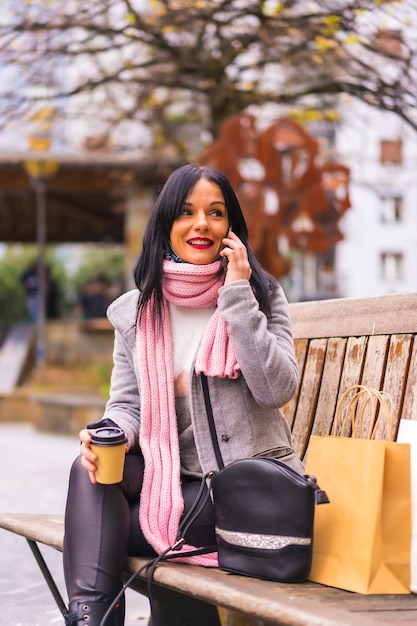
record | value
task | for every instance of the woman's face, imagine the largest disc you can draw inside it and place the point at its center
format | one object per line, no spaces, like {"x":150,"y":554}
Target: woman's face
{"x":197,"y":233}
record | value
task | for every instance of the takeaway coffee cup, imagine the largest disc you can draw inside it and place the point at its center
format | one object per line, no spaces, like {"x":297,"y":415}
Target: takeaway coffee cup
{"x":109,"y":444}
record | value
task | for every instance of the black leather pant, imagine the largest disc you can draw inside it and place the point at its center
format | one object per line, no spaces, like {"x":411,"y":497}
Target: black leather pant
{"x":102,"y":529}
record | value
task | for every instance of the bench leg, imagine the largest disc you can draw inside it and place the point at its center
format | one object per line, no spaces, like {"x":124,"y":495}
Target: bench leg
{"x":48,"y":577}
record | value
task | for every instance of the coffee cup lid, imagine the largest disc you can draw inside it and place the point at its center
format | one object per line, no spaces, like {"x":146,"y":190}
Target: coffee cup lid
{"x":108,"y":436}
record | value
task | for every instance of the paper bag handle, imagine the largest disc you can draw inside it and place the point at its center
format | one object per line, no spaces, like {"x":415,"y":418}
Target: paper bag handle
{"x":373,"y":396}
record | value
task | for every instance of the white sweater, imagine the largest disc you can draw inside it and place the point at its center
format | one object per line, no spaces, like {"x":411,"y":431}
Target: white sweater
{"x":187,"y":329}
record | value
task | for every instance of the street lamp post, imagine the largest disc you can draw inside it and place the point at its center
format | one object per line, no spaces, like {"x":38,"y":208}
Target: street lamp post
{"x":39,"y":172}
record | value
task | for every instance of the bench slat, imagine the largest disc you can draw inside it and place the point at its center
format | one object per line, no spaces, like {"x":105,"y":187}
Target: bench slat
{"x":375,"y":360}
{"x":47,"y":529}
{"x":270,"y":602}
{"x":396,"y":377}
{"x":305,"y":604}
{"x":373,"y":375}
{"x":347,"y":317}
{"x":301,"y":349}
{"x":335,"y":353}
{"x":352,"y":369}
{"x":409,"y":410}
{"x":306,"y":405}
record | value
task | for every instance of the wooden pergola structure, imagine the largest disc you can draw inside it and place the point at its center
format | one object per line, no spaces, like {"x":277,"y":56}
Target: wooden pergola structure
{"x":85,"y":196}
{"x":47,"y":198}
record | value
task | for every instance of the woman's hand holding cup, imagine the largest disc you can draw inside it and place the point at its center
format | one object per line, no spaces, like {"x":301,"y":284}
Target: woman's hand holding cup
{"x":103,"y":454}
{"x":88,"y":457}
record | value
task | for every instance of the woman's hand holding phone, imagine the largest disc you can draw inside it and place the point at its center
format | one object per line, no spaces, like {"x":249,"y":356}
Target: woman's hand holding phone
{"x":236,"y":254}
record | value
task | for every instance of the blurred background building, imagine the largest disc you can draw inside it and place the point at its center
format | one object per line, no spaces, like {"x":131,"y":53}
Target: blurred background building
{"x":379,"y":251}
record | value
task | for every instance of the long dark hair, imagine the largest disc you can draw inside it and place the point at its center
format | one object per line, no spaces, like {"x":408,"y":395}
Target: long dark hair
{"x":168,"y":206}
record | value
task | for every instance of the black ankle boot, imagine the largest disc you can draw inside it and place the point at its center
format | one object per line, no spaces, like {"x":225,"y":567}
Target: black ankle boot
{"x":91,"y":613}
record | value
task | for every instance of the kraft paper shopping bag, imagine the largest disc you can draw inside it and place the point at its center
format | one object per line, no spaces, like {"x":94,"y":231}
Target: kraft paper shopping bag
{"x":362,"y":539}
{"x":407,"y":433}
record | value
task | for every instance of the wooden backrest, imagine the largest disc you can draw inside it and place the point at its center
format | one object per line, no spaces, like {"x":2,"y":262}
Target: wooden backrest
{"x":351,"y":341}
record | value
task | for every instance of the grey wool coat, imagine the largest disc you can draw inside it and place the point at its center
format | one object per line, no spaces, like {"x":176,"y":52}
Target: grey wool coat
{"x":247,"y":409}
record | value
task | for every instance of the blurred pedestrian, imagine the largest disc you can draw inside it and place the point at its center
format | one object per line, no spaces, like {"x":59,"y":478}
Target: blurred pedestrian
{"x":31,"y":282}
{"x":31,"y":285}
{"x":95,"y":297}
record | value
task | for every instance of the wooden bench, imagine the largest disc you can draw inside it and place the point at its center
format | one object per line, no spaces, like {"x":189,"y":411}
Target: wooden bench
{"x":339,"y":343}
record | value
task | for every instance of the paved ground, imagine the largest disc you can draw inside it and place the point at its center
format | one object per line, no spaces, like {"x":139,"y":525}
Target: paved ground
{"x":33,"y":479}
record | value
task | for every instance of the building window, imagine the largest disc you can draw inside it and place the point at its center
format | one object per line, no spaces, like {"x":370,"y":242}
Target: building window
{"x":391,"y":152}
{"x":391,"y":209}
{"x":326,"y":274}
{"x":392,"y":265}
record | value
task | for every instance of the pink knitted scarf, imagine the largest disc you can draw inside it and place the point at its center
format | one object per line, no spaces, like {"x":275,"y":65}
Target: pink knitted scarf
{"x":161,"y":503}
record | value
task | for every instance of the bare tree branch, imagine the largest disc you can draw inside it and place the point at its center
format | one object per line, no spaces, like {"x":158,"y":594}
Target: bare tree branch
{"x":141,"y":61}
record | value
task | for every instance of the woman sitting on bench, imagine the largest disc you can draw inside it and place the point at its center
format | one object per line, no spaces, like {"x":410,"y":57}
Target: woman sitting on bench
{"x":203,"y":307}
